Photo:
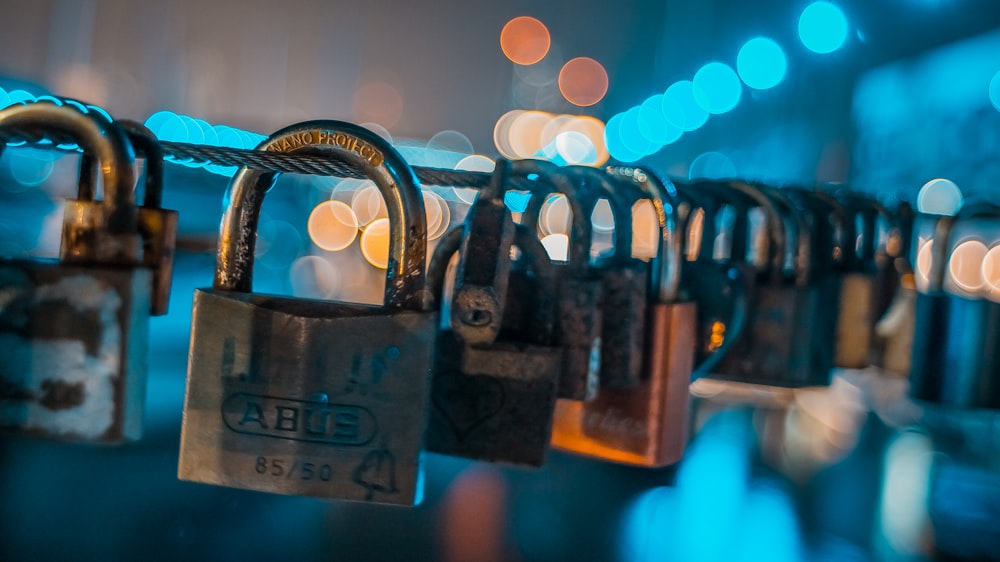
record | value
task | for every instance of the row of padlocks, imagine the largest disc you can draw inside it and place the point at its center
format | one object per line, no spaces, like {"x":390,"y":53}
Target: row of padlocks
{"x":511,"y":355}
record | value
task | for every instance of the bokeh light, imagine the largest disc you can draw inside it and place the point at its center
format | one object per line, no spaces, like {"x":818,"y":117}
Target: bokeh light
{"x":332,"y":225}
{"x":653,"y":123}
{"x":822,"y":27}
{"x":632,"y":137}
{"x":645,"y":230}
{"x":939,"y":197}
{"x":716,"y":88}
{"x":450,"y":140}
{"x":378,"y":101}
{"x":313,"y":277}
{"x":995,"y":90}
{"x":557,"y":246}
{"x":375,"y":243}
{"x":603,"y":217}
{"x":680,"y":107}
{"x":31,"y":167}
{"x":555,"y":216}
{"x":593,"y":129}
{"x":966,"y":265}
{"x":761,"y":63}
{"x":472,"y":163}
{"x":525,"y":133}
{"x":525,"y":40}
{"x":991,"y":268}
{"x":613,"y":140}
{"x":367,"y":203}
{"x":925,"y":259}
{"x":583,"y":81}
{"x":576,"y":148}
{"x":438,"y":215}
{"x":712,"y":165}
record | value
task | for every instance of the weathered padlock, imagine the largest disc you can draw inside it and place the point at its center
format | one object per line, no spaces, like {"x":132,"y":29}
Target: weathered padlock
{"x":315,"y":398}
{"x":956,"y":347}
{"x":789,"y":333}
{"x":74,"y":333}
{"x":624,"y":279}
{"x":645,"y":425}
{"x":492,"y":400}
{"x":580,"y":292}
{"x":157,"y":226}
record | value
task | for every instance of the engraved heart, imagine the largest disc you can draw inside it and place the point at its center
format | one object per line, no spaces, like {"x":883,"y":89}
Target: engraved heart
{"x":467,"y":402}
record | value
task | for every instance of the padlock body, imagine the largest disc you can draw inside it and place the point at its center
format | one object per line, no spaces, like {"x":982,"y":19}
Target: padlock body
{"x":624,"y":324}
{"x":956,"y":351}
{"x":493,"y":402}
{"x":293,"y":396}
{"x":855,"y":321}
{"x":645,"y":425}
{"x":790,"y":337}
{"x":578,"y":333}
{"x":73,"y":343}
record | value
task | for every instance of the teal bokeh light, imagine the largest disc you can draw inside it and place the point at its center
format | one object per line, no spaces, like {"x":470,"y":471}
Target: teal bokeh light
{"x":995,"y":90}
{"x":680,"y":107}
{"x":613,"y":140}
{"x":717,"y":88}
{"x":653,"y":124}
{"x":761,"y":63}
{"x":822,"y":27}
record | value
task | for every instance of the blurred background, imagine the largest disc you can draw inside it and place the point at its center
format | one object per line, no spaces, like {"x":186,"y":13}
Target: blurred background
{"x":898,"y":98}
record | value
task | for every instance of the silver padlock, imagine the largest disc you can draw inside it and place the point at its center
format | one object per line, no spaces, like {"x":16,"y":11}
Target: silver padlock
{"x":313,"y":398}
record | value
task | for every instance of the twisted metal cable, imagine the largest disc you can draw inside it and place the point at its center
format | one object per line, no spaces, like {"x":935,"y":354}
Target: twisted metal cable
{"x":313,"y":164}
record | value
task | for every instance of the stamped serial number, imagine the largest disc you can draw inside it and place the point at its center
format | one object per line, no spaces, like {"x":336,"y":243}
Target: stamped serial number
{"x":293,"y":469}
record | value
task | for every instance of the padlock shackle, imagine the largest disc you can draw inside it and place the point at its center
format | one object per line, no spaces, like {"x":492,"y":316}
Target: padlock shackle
{"x":869,"y":210}
{"x":100,"y":140}
{"x":799,"y":226}
{"x":943,"y":227}
{"x":620,"y":196}
{"x":665,"y":277}
{"x":145,"y":143}
{"x":449,"y":244}
{"x":710,"y":208}
{"x":829,"y":226}
{"x":553,"y":179}
{"x":361,"y":148}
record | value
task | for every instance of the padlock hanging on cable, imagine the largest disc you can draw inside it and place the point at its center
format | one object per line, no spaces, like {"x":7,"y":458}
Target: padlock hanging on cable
{"x":645,"y":425}
{"x":956,"y":342}
{"x":74,"y":333}
{"x":304,"y":397}
{"x":494,"y":387}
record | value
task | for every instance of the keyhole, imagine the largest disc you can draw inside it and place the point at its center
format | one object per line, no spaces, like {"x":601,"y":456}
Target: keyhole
{"x":476,"y":317}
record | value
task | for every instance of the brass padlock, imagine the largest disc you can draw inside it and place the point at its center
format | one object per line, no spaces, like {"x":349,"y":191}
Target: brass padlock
{"x":580,"y":291}
{"x":314,"y":398}
{"x":645,"y":425}
{"x":624,"y":280}
{"x":956,"y":348}
{"x":492,"y":400}
{"x":74,"y":333}
{"x":157,"y":226}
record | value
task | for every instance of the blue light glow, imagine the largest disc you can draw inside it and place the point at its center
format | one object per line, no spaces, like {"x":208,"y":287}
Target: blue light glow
{"x":716,"y":88}
{"x":995,"y":90}
{"x":681,"y":109}
{"x":613,"y":140}
{"x":822,"y":27}
{"x":653,"y":124}
{"x":711,"y":165}
{"x":170,"y":126}
{"x":761,"y":63}
{"x":517,"y":201}
{"x":4,"y":98}
{"x":632,"y":137}
{"x":18,"y":96}
{"x":31,"y":167}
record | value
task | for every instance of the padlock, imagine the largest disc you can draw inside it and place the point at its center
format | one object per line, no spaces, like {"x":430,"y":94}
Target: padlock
{"x":645,"y":425}
{"x":314,"y":398}
{"x":956,"y":347}
{"x":624,"y":280}
{"x":791,"y":325}
{"x":74,"y":333}
{"x":492,"y":400}
{"x":157,"y":226}
{"x":580,"y":294}
{"x":896,"y":297}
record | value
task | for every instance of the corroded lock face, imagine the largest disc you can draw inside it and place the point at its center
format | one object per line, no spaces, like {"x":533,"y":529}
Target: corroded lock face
{"x":73,"y":336}
{"x":492,"y":398}
{"x":645,"y":425}
{"x":302,"y":397}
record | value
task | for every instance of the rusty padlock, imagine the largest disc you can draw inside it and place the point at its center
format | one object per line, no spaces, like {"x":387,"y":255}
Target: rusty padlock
{"x":492,"y":400}
{"x":314,"y":398}
{"x":789,"y":334}
{"x":74,"y":333}
{"x":956,"y":346}
{"x":624,"y":279}
{"x":157,"y":226}
{"x":580,"y":294}
{"x":645,"y":425}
